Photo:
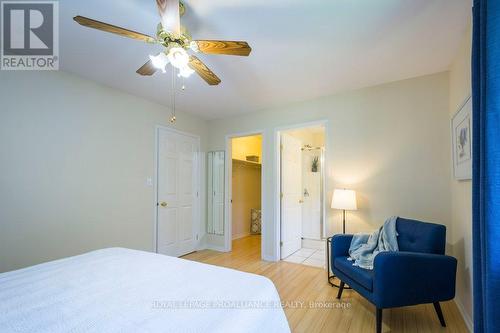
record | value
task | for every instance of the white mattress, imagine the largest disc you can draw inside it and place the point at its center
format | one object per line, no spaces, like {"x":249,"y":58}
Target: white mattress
{"x":121,"y":290}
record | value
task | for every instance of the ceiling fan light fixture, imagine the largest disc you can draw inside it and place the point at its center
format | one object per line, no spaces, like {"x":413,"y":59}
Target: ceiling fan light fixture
{"x":176,"y":42}
{"x":178,"y":57}
{"x":159,"y":61}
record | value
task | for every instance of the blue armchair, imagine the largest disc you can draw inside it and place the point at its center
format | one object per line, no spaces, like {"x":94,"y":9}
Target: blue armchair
{"x":419,"y":273}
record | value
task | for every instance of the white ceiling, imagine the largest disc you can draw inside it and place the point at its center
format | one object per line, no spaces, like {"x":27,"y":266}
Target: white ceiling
{"x":301,"y":49}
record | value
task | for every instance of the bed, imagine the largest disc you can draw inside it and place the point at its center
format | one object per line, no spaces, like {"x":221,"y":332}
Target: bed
{"x":122,"y":290}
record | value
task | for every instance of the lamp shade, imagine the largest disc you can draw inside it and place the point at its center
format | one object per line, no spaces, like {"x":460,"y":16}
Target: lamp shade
{"x":344,"y":199}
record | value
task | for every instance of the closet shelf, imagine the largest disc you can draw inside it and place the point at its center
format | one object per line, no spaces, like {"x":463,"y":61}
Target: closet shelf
{"x":246,"y":163}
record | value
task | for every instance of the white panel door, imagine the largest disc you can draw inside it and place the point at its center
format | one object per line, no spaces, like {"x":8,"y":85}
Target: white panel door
{"x":291,"y":189}
{"x":177,"y":207}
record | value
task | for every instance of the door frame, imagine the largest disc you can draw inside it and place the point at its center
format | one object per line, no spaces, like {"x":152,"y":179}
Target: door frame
{"x":228,"y":209}
{"x":277,"y":170}
{"x":198,"y":167}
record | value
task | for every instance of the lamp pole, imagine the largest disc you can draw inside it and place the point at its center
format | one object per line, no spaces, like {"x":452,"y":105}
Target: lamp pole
{"x":343,"y":221}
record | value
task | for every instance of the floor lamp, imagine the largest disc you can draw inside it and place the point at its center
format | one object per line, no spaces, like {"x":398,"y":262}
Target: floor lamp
{"x":344,"y":200}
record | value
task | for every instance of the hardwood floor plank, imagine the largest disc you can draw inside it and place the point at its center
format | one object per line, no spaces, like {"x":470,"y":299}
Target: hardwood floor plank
{"x":300,"y":283}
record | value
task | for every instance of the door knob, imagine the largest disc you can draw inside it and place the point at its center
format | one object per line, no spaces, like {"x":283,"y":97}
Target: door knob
{"x":163,"y":204}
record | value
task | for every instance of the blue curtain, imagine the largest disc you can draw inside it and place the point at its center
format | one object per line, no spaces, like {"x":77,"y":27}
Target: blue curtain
{"x":486,"y":164}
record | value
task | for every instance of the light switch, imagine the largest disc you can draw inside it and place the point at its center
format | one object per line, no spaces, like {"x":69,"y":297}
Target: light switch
{"x":149,"y":182}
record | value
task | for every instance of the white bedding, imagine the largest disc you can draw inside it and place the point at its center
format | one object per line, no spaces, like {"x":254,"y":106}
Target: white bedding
{"x":121,"y":290}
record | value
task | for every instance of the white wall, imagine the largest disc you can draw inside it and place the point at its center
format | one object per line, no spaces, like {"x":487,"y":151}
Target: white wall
{"x":74,"y":158}
{"x":390,"y":143}
{"x":461,"y":191}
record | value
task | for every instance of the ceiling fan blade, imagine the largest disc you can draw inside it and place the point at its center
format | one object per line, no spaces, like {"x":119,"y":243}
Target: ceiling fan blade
{"x":238,"y":48}
{"x":147,"y":69}
{"x":170,"y":16}
{"x":87,"y":22}
{"x":206,"y":74}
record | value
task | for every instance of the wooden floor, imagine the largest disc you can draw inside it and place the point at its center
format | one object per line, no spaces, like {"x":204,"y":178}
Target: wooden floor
{"x":299,"y":283}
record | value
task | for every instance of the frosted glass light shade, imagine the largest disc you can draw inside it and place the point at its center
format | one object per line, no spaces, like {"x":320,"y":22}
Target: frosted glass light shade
{"x":185,"y":71}
{"x":178,"y":57}
{"x":344,"y":199}
{"x":159,"y":61}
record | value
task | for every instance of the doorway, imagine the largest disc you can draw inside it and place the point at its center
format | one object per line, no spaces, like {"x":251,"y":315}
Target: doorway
{"x":302,"y":187}
{"x":177,"y":192}
{"x":246,"y":192}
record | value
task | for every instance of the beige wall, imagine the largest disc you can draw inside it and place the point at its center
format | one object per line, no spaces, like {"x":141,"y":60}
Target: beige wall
{"x":246,"y":183}
{"x":245,"y":146}
{"x":246,"y":195}
{"x":390,"y":143}
{"x":74,"y":158}
{"x":461,"y":191}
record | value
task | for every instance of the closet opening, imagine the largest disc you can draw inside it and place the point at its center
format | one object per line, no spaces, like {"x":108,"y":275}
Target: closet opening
{"x":246,"y":194}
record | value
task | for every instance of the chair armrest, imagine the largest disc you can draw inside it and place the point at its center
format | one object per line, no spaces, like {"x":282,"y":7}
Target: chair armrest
{"x":407,"y":278}
{"x":340,"y":245}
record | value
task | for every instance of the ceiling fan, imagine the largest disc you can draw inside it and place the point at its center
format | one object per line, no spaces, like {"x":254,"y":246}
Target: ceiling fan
{"x":177,"y":42}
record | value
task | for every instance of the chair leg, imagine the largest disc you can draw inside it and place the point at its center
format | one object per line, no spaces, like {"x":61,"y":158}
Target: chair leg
{"x":437,"y":307}
{"x":379,"y":320}
{"x":341,"y":289}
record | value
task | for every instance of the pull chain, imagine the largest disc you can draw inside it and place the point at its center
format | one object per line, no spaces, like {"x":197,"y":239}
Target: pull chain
{"x":172,"y":118}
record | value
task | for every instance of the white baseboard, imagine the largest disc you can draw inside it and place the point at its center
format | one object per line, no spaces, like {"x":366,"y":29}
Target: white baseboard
{"x":269,"y":258}
{"x":465,"y":315}
{"x":241,"y":235}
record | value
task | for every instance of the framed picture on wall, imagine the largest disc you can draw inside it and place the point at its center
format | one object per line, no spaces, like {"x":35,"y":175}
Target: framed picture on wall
{"x":461,"y":131}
